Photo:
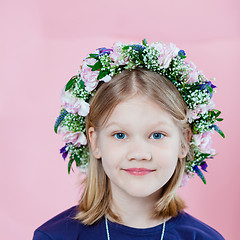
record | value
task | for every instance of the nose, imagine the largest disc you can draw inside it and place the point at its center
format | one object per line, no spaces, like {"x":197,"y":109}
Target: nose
{"x":138,"y":150}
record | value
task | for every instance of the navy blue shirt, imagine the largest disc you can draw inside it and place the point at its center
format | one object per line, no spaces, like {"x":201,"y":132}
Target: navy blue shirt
{"x":182,"y":227}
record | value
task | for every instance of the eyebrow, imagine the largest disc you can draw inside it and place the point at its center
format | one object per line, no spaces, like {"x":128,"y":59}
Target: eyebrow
{"x":160,"y":123}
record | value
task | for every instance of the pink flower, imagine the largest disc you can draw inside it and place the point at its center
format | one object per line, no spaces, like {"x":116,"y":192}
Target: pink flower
{"x":74,"y":104}
{"x":76,"y":138}
{"x":204,"y":142}
{"x":193,"y":73}
{"x":88,"y":76}
{"x":167,"y":53}
{"x":116,"y":55}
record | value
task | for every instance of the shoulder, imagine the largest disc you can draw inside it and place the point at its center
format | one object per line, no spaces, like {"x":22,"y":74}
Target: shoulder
{"x":61,"y":226}
{"x":185,"y":226}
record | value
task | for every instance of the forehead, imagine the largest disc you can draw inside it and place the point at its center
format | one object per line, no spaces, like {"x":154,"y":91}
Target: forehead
{"x":139,"y":109}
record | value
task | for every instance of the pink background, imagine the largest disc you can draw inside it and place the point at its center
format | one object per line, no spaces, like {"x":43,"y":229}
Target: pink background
{"x":42,"y":45}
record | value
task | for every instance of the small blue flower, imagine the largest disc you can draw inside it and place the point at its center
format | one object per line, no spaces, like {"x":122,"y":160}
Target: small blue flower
{"x":60,"y":119}
{"x":104,"y":50}
{"x":204,"y":166}
{"x":137,"y":47}
{"x":199,"y":173}
{"x":64,"y":152}
{"x":182,"y":54}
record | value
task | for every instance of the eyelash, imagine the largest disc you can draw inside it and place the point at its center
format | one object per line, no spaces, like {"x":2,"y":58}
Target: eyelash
{"x":162,"y":135}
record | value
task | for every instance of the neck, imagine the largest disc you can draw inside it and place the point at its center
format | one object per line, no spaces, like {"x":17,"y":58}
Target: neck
{"x":136,"y":211}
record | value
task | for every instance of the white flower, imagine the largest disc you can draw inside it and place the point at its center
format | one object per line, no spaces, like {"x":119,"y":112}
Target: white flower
{"x":107,"y":78}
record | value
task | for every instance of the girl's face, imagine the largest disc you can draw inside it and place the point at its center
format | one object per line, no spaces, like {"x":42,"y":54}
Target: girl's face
{"x":139,"y":146}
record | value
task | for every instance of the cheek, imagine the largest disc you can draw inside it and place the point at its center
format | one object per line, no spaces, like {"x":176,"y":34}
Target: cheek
{"x":110,"y":160}
{"x":167,"y":157}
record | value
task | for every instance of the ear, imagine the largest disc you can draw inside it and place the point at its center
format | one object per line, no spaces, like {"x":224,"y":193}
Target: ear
{"x":183,"y":150}
{"x":92,"y":134}
{"x":185,"y":143}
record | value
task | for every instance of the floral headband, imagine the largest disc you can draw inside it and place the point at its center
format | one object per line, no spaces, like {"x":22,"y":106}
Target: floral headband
{"x":169,"y":61}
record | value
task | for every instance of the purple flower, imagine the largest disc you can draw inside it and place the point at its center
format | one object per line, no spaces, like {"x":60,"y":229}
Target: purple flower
{"x":64,"y":152}
{"x":104,"y":50}
{"x":204,"y":166}
{"x":209,"y":86}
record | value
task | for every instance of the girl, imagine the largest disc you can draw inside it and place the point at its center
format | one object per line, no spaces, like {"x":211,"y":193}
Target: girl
{"x":143,"y":117}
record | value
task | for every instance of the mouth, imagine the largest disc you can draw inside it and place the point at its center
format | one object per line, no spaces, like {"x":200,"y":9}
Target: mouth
{"x":138,"y":171}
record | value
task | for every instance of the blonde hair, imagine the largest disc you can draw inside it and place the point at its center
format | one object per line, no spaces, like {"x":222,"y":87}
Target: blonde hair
{"x":96,"y":199}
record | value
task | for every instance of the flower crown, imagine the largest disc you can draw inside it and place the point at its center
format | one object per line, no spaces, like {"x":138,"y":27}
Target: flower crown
{"x":169,"y":61}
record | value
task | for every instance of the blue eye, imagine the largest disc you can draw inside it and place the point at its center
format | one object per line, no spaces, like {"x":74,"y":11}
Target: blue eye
{"x":157,"y":135}
{"x":120,"y":135}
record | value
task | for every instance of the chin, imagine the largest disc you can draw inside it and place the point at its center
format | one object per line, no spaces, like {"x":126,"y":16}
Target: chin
{"x":144,"y":192}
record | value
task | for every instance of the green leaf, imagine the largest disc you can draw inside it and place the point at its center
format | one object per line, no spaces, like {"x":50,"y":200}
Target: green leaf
{"x":77,"y":160}
{"x":209,"y":88}
{"x":82,"y":84}
{"x":144,"y":42}
{"x":140,"y":55}
{"x":126,"y":47}
{"x":221,"y":133}
{"x":205,"y":155}
{"x":70,"y":83}
{"x":96,"y":66}
{"x":219,"y":119}
{"x":217,"y":113}
{"x":102,"y":74}
{"x":204,"y":180}
{"x":60,"y":119}
{"x":216,"y":128}
{"x":70,"y":165}
{"x":93,"y":55}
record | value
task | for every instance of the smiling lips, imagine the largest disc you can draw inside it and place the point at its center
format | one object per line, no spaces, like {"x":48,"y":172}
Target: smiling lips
{"x":138,"y":171}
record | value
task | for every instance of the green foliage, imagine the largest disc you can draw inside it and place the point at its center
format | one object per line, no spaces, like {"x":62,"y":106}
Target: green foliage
{"x":144,"y":42}
{"x":70,"y":164}
{"x":102,"y":74}
{"x":93,"y":55}
{"x":216,"y":128}
{"x":70,"y":83}
{"x":96,"y":66}
{"x":60,"y":118}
